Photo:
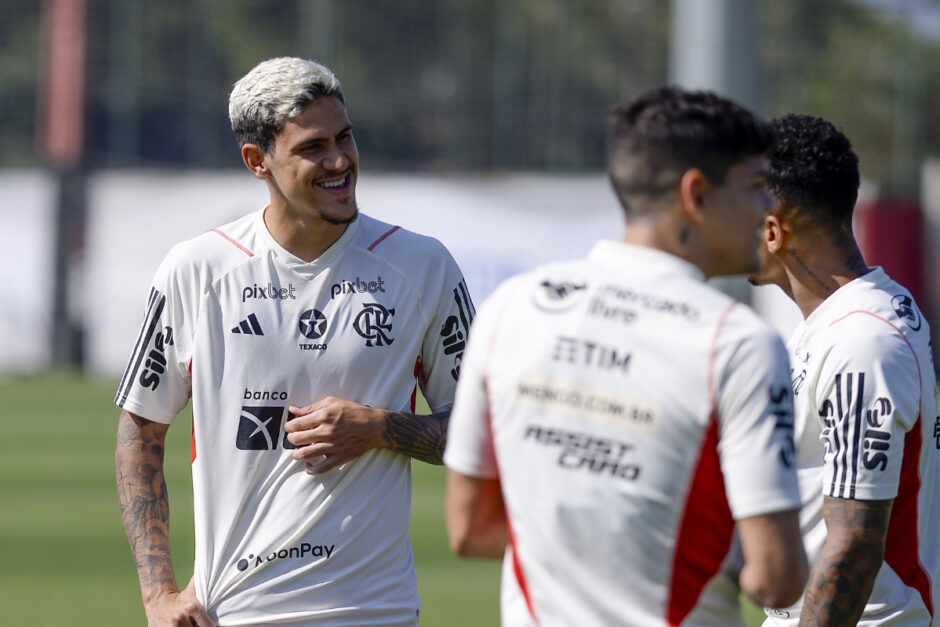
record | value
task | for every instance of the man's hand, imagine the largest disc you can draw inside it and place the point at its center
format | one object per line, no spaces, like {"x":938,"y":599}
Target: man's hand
{"x":177,"y":609}
{"x":333,"y":431}
{"x":145,"y":509}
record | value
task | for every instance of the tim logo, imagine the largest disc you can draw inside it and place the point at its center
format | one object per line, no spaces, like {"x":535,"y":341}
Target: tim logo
{"x":877,"y":440}
{"x":556,"y":295}
{"x":906,"y":310}
{"x":155,"y":365}
{"x":259,"y":429}
{"x":374,"y":324}
{"x":455,"y":329}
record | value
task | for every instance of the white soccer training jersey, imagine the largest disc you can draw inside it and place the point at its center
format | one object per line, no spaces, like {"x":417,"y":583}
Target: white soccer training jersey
{"x":248,"y":329}
{"x":631,"y":413}
{"x":867,"y":428}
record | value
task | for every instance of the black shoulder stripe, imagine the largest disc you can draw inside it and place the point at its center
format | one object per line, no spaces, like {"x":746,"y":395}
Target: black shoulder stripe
{"x":147,"y":329}
{"x":471,"y":311}
{"x":837,"y":448}
{"x":857,"y":436}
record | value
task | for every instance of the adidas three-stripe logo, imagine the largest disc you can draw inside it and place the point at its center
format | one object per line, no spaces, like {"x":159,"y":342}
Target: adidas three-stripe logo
{"x":249,"y":326}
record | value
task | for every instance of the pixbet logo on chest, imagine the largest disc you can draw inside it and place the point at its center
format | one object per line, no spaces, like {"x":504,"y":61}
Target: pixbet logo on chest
{"x":272,"y":292}
{"x":357,"y":286}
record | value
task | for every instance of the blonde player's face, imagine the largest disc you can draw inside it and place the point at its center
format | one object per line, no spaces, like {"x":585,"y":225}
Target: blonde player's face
{"x":734,"y":217}
{"x":314,"y":164}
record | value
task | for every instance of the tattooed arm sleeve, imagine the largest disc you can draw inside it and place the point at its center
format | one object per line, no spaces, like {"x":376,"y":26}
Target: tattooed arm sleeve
{"x":144,"y":502}
{"x":420,"y":437}
{"x":844,"y":574}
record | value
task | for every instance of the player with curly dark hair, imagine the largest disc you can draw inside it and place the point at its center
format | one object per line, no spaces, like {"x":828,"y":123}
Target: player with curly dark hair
{"x":865,"y":397}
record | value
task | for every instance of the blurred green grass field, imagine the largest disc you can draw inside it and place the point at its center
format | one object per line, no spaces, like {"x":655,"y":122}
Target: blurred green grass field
{"x":64,"y":560}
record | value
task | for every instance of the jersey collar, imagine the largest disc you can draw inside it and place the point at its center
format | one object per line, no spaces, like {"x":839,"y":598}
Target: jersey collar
{"x":644,"y":258}
{"x":296,"y":263}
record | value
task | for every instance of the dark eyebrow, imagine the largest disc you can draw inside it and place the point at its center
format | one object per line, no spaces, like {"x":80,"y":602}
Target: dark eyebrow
{"x":310,"y":143}
{"x":317,"y":141}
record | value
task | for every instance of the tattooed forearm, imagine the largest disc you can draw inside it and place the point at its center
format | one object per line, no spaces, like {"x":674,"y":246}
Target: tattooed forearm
{"x":144,"y":501}
{"x":806,"y":268}
{"x":842,"y":579}
{"x":420,"y":437}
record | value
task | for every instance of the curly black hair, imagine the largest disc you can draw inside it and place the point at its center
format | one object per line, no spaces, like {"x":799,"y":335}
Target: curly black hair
{"x":655,"y":139}
{"x":813,"y":169}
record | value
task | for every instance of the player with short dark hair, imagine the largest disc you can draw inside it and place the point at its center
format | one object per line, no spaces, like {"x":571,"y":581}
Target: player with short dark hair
{"x":617,"y":417}
{"x":867,"y":426}
{"x":290,"y":328}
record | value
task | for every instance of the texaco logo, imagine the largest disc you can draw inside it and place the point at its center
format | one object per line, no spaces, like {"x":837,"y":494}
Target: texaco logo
{"x":312,"y":323}
{"x":374,"y":324}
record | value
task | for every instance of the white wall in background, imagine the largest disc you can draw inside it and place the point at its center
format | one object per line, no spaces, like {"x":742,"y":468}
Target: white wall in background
{"x":27,"y":201}
{"x":494,"y":226}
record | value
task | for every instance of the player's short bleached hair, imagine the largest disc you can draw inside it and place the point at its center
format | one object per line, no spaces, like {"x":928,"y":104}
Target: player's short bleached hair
{"x":273,"y":92}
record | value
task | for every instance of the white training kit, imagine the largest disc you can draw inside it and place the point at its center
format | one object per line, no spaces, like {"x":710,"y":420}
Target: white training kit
{"x":248,"y":329}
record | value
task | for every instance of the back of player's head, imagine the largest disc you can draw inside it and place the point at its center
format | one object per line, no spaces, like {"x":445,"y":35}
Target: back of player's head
{"x":272,"y":93}
{"x":655,"y":139}
{"x":814,"y":170}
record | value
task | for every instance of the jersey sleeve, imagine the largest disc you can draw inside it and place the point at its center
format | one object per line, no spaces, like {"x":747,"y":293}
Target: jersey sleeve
{"x":446,"y":337}
{"x":156,"y":382}
{"x":868,"y":397}
{"x":754,"y":401}
{"x":470,"y":448}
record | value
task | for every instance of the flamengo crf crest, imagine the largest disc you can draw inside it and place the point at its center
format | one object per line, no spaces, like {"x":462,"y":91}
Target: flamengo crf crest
{"x":374,"y":324}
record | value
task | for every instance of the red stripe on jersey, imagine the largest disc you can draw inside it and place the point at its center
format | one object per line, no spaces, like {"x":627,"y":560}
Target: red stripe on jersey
{"x":707,"y":525}
{"x":236,"y":244}
{"x":193,"y":447}
{"x":902,"y":546}
{"x":710,"y":380}
{"x":516,"y":564}
{"x":704,"y":532}
{"x":382,"y":239}
{"x":518,"y":572}
{"x":887,"y":322}
{"x":414,"y":392}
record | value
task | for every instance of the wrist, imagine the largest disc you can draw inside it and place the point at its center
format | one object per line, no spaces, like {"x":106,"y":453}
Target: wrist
{"x":154,"y":594}
{"x":381,"y":420}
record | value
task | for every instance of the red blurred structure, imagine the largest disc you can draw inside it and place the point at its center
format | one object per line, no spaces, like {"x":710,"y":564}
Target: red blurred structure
{"x":890,"y":234}
{"x":63,"y":108}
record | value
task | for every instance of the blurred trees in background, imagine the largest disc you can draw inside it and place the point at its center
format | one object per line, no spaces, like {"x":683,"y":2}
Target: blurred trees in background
{"x":457,"y":85}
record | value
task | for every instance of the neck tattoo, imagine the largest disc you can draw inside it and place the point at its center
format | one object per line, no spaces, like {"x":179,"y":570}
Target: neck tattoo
{"x":856,"y":263}
{"x":816,"y":278}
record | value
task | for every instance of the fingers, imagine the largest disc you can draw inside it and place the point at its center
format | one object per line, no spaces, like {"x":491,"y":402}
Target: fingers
{"x":321,"y":465}
{"x":197,"y":613}
{"x":317,"y":449}
{"x":311,"y":416}
{"x":202,"y":619}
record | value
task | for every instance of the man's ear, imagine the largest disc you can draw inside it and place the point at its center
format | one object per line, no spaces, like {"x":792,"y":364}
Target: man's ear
{"x":692,"y":188}
{"x":775,"y":234}
{"x":253,"y":157}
